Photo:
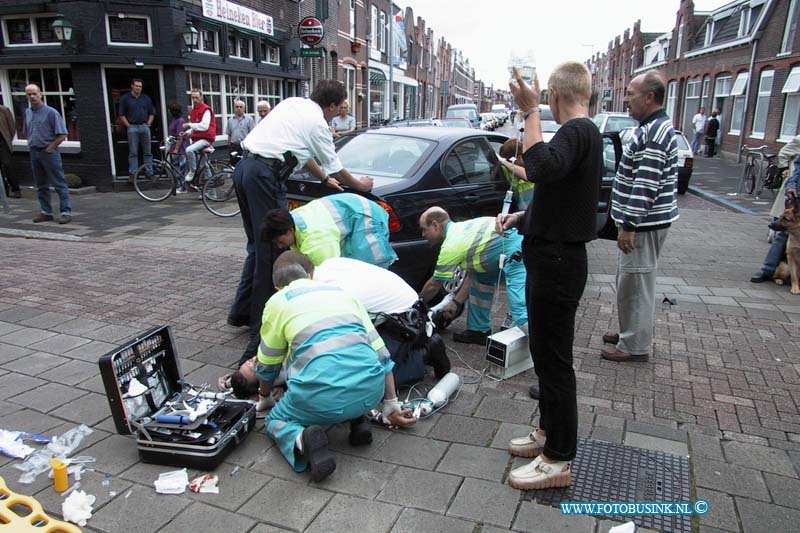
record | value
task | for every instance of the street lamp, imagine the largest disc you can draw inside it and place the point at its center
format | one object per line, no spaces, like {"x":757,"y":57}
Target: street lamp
{"x":190,"y":36}
{"x":63,"y":29}
{"x":294,"y":58}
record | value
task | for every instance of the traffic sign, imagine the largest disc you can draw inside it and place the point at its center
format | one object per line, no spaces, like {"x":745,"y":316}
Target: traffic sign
{"x":310,"y":31}
{"x":311,"y":52}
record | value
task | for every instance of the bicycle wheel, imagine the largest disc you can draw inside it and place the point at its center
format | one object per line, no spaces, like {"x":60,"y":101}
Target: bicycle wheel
{"x":750,"y":178}
{"x":154,"y":182}
{"x":219,"y":195}
{"x":776,"y":180}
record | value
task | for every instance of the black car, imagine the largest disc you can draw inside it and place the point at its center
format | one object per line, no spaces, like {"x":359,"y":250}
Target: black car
{"x":416,"y":168}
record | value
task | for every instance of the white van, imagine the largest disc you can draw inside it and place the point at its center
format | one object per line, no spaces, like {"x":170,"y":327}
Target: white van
{"x":465,"y":111}
{"x":501,"y":112}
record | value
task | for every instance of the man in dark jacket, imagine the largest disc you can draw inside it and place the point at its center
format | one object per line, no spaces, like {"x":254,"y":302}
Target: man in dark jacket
{"x":7,"y":131}
{"x":712,"y":130}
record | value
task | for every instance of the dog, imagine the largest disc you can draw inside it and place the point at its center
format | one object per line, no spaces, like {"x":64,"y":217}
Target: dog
{"x":789,"y":222}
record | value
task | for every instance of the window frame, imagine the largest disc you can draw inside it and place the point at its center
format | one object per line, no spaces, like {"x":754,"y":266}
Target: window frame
{"x":34,"y":35}
{"x":352,"y":19}
{"x":744,"y":22}
{"x":384,"y":31}
{"x":238,"y":38}
{"x":790,"y":29}
{"x":373,"y":27}
{"x":679,"y":41}
{"x":672,"y":97}
{"x":109,"y":42}
{"x":482,"y":145}
{"x":201,"y":47}
{"x":762,"y":99}
{"x":792,"y":96}
{"x":266,"y":47}
{"x":709,"y":36}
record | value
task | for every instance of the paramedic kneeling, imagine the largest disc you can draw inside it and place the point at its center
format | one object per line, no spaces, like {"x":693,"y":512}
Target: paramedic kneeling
{"x":337,"y":366}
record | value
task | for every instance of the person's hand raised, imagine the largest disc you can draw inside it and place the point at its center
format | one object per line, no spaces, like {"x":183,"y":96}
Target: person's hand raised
{"x":525,"y":95}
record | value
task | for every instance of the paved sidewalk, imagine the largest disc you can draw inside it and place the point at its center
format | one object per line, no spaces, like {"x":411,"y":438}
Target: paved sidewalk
{"x":723,"y":385}
{"x":717,"y":180}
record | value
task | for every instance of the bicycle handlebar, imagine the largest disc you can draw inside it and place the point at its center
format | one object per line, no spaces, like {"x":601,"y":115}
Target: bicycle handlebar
{"x":759,"y":149}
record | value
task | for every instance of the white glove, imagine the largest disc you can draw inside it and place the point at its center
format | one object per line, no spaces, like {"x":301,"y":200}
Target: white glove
{"x":265,"y":403}
{"x":391,"y":406}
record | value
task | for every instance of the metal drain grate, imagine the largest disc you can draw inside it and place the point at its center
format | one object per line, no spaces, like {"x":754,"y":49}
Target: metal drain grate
{"x":603,"y":472}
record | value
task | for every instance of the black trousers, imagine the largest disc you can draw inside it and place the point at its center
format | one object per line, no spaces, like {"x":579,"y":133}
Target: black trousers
{"x":557,"y":275}
{"x":711,"y":147}
{"x":258,"y":190}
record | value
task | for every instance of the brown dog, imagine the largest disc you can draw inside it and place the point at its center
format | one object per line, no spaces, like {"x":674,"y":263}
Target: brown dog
{"x":790,"y":223}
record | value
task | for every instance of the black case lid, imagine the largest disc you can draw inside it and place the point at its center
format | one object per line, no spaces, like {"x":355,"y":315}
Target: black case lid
{"x":151,"y":358}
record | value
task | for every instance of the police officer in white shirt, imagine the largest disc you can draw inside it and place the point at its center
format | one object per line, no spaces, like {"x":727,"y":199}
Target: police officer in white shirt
{"x":295,"y":132}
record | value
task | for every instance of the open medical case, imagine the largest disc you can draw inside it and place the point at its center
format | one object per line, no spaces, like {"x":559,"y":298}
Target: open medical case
{"x":175,"y":423}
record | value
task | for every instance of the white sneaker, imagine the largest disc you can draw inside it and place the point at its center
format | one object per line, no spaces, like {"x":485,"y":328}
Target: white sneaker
{"x":528,"y":446}
{"x":541,"y":475}
{"x":180,"y":190}
{"x":189,"y":176}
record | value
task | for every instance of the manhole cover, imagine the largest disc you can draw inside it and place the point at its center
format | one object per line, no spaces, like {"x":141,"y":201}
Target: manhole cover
{"x":603,"y":472}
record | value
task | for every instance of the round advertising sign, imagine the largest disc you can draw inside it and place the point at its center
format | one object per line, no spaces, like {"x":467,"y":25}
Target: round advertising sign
{"x":310,"y":31}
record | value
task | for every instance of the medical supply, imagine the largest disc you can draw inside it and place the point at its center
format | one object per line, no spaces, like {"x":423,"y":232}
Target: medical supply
{"x":206,"y":484}
{"x":446,"y":387}
{"x":172,"y":482}
{"x":508,"y":353}
{"x":77,"y":508}
{"x":60,"y":479}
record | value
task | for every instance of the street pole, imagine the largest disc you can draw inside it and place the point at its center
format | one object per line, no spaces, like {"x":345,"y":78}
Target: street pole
{"x":391,"y":60}
{"x":369,"y":86}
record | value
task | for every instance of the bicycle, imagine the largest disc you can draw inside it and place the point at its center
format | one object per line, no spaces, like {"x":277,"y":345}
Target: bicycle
{"x":219,"y":193}
{"x":755,"y":177}
{"x":157,"y":181}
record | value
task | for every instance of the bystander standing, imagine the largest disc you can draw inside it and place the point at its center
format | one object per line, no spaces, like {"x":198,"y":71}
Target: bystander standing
{"x":262,"y":108}
{"x":644,"y":205}
{"x":175,"y":130}
{"x":556,"y":226}
{"x":45,"y":130}
{"x":712,"y":130}
{"x":699,"y":123}
{"x":136,"y":112}
{"x":7,"y":131}
{"x":239,"y":125}
{"x":343,"y":123}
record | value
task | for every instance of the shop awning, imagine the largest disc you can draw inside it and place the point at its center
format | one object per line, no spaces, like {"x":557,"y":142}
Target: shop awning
{"x":399,"y":75}
{"x":376,"y":77}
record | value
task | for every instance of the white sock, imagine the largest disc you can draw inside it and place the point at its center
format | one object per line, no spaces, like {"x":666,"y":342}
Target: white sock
{"x":298,"y":442}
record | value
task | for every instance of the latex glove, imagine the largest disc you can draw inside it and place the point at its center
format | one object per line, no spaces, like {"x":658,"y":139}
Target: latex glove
{"x":450,"y":311}
{"x":391,"y":406}
{"x":265,"y":403}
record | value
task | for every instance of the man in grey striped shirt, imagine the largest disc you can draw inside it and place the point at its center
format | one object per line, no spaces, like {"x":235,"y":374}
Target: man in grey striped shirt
{"x":643,"y":205}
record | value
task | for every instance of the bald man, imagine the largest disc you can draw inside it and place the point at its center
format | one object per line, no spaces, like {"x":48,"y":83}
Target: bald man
{"x":476,"y":247}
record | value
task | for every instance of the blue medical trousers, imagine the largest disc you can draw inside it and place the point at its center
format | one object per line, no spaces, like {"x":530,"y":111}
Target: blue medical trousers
{"x":48,"y":171}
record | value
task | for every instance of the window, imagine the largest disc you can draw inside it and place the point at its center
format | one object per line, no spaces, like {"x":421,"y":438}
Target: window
{"x":709,"y":33}
{"x":744,"y":22}
{"x":671,"y":90}
{"x":706,"y":85}
{"x":373,"y":27}
{"x":56,"y":84}
{"x":208,"y":42}
{"x":209,"y":83}
{"x":350,"y":86}
{"x":762,"y":103}
{"x":240,"y":47}
{"x":383,"y":31}
{"x":353,"y":19}
{"x":791,"y":111}
{"x":29,"y":30}
{"x":680,"y":40}
{"x":469,"y":163}
{"x":270,"y":53}
{"x":269,"y":89}
{"x":383,"y":155}
{"x":791,"y":27}
{"x":738,"y":93}
{"x":128,"y":30}
{"x":691,"y":103}
{"x":239,"y":88}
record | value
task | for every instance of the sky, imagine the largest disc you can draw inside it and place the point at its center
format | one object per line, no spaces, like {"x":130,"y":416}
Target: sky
{"x":490,"y":31}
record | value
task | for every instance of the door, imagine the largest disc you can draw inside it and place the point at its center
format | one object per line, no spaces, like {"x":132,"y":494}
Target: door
{"x":118,"y":82}
{"x":475,"y":174}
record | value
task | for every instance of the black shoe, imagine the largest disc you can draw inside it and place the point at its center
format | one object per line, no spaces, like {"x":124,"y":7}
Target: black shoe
{"x":533,"y":391}
{"x":470,"y":336}
{"x":437,"y":356}
{"x":237,"y":322}
{"x":321,"y":463}
{"x":761,"y":277}
{"x":360,"y":432}
{"x":15,"y":194}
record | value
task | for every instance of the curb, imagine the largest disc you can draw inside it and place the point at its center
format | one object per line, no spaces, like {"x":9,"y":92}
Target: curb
{"x":724,"y":202}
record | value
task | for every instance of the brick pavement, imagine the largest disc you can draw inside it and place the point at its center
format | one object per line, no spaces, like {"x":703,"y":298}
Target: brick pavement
{"x":722,"y":386}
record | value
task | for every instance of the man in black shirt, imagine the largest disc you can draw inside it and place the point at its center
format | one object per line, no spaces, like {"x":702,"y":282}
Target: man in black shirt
{"x":712,"y":129}
{"x":556,"y":226}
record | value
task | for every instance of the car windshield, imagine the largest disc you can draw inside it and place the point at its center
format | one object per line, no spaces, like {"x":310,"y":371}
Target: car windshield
{"x":546,"y":114}
{"x":455,"y":123}
{"x":382,"y":155}
{"x":460,"y":113}
{"x":550,"y":125}
{"x":618,"y":123}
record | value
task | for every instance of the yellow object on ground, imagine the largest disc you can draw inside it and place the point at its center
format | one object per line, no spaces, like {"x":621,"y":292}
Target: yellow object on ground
{"x":34,"y":522}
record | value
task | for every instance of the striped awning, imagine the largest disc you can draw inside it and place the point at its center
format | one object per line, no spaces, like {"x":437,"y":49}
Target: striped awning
{"x":376,"y":77}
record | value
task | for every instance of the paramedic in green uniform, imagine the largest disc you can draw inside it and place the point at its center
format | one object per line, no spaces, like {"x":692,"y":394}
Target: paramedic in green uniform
{"x":475,"y":246}
{"x":336,"y":366}
{"x":339,"y":225}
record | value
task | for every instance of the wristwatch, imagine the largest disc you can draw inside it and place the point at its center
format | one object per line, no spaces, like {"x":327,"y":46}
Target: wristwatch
{"x":529,"y":112}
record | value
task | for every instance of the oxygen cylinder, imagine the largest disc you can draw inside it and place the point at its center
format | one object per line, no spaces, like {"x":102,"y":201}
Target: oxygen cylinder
{"x":446,"y":387}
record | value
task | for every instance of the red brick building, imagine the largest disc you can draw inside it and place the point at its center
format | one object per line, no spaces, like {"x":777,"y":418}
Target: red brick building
{"x":742,"y":58}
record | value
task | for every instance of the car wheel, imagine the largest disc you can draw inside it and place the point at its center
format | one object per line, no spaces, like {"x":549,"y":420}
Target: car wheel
{"x":683,"y":186}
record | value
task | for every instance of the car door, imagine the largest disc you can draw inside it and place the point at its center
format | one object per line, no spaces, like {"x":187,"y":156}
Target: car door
{"x":474,"y":172}
{"x":612,"y":153}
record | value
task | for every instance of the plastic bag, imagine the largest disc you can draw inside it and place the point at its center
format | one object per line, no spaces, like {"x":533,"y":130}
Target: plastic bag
{"x":39,"y":461}
{"x":67,"y":443}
